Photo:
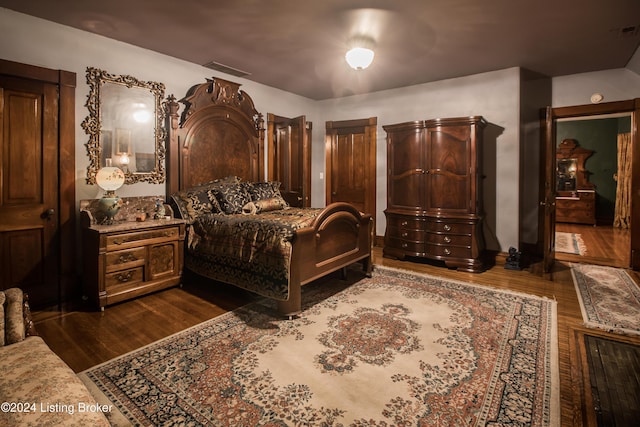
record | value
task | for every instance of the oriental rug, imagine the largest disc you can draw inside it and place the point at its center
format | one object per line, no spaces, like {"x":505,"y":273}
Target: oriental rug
{"x":395,"y":349}
{"x":609,"y":298}
{"x":570,"y":243}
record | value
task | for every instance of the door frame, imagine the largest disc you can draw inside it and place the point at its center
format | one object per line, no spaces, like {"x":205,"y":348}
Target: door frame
{"x":66,"y":209}
{"x":547,"y":213}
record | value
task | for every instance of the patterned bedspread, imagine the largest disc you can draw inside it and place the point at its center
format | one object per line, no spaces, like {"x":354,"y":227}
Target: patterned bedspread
{"x":249,"y":251}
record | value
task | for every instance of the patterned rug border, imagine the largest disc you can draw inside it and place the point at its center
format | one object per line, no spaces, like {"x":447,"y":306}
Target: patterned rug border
{"x":586,"y":308}
{"x":576,"y":239}
{"x":118,"y":419}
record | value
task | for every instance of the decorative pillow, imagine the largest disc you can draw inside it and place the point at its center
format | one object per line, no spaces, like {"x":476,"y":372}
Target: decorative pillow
{"x":231,"y":198}
{"x":13,"y":317}
{"x":264,"y":205}
{"x":263,"y":190}
{"x":199,"y":200}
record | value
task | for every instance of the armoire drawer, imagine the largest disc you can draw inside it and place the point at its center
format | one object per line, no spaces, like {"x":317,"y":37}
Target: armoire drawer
{"x":448,"y":251}
{"x":405,"y":245}
{"x":449,"y":227}
{"x":449,"y":239}
{"x":401,"y":222}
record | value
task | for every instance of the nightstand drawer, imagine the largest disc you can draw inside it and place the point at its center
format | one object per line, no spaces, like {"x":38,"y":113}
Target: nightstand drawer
{"x":125,"y":240}
{"x":130,"y":276}
{"x":125,"y":259}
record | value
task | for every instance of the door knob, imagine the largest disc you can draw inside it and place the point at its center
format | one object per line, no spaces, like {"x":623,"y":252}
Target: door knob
{"x":49,"y":213}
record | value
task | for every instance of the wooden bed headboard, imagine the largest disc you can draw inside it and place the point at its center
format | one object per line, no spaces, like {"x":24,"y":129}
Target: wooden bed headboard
{"x":218,"y":134}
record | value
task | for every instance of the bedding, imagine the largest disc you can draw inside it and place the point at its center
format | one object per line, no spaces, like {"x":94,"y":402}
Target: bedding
{"x":255,"y":250}
{"x":242,"y":230}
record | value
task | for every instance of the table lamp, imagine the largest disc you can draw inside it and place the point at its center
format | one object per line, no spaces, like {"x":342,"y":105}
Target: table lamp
{"x":109,"y":178}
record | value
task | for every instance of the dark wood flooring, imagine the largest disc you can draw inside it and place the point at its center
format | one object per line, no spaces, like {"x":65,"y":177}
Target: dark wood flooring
{"x":84,"y":338}
{"x":614,"y":372}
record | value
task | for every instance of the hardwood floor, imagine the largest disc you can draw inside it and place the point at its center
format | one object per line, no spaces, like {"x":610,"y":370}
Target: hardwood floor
{"x":605,"y":245}
{"x":84,"y":338}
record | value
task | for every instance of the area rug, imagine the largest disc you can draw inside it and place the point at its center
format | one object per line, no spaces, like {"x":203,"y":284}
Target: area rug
{"x":570,"y":243}
{"x":394,"y":349}
{"x":609,"y":298}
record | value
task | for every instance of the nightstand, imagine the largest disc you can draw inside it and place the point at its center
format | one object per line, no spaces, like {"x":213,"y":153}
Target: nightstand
{"x":129,"y":259}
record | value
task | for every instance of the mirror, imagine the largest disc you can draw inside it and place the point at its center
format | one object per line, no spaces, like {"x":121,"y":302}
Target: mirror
{"x":125,"y":126}
{"x":566,"y":174}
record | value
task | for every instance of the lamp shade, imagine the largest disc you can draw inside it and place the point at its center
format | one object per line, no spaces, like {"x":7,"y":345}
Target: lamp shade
{"x":110,"y":178}
{"x":359,"y":58}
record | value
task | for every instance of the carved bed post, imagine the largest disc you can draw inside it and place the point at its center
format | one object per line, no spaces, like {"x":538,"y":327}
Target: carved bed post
{"x":172,"y":149}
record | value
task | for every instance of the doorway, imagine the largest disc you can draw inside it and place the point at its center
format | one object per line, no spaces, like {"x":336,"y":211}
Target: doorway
{"x":627,"y":244}
{"x":289,"y":157}
{"x":605,"y":241}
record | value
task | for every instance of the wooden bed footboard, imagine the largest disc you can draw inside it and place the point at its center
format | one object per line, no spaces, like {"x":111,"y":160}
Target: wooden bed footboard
{"x":340,"y":236}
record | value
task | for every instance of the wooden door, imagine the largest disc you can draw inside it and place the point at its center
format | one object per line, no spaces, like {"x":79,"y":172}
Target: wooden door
{"x":351,"y":163}
{"x":289,"y":157}
{"x":33,"y":221}
{"x":547,"y":221}
{"x":29,"y":187}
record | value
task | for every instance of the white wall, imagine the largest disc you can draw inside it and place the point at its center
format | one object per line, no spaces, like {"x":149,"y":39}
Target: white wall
{"x":619,"y":84}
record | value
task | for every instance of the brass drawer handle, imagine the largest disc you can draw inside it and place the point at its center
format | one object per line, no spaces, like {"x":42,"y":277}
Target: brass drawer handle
{"x":404,"y":223}
{"x":126,"y":258}
{"x":405,"y":234}
{"x":125,"y":277}
{"x":447,"y":251}
{"x":447,"y":227}
{"x":404,"y":245}
{"x":447,"y":239}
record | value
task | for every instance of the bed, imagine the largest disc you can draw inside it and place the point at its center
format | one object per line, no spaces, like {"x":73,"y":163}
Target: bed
{"x":240,"y":230}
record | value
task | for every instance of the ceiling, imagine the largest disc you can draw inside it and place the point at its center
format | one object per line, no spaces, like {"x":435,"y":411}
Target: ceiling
{"x":299,"y":46}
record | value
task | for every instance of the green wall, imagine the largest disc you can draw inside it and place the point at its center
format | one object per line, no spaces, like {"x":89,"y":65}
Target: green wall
{"x":601,"y":136}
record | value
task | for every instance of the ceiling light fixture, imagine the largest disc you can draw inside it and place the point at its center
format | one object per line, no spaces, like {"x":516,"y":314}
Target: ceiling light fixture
{"x":361,"y":54}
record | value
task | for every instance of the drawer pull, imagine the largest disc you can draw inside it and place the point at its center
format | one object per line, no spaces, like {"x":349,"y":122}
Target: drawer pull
{"x":404,"y":223}
{"x":404,"y":245}
{"x":447,"y":251}
{"x":405,"y":234}
{"x":117,"y":242}
{"x":447,"y":227}
{"x":447,"y":239}
{"x":125,"y":277}
{"x":126,"y":258}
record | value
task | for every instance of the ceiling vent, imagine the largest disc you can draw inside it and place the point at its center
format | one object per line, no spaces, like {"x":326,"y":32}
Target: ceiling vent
{"x":216,"y":66}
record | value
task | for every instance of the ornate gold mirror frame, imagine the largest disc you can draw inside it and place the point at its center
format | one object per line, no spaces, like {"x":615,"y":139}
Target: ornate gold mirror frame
{"x":125,"y":126}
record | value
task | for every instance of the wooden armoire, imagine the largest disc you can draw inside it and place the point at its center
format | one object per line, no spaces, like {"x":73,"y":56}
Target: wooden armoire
{"x":434,"y":197}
